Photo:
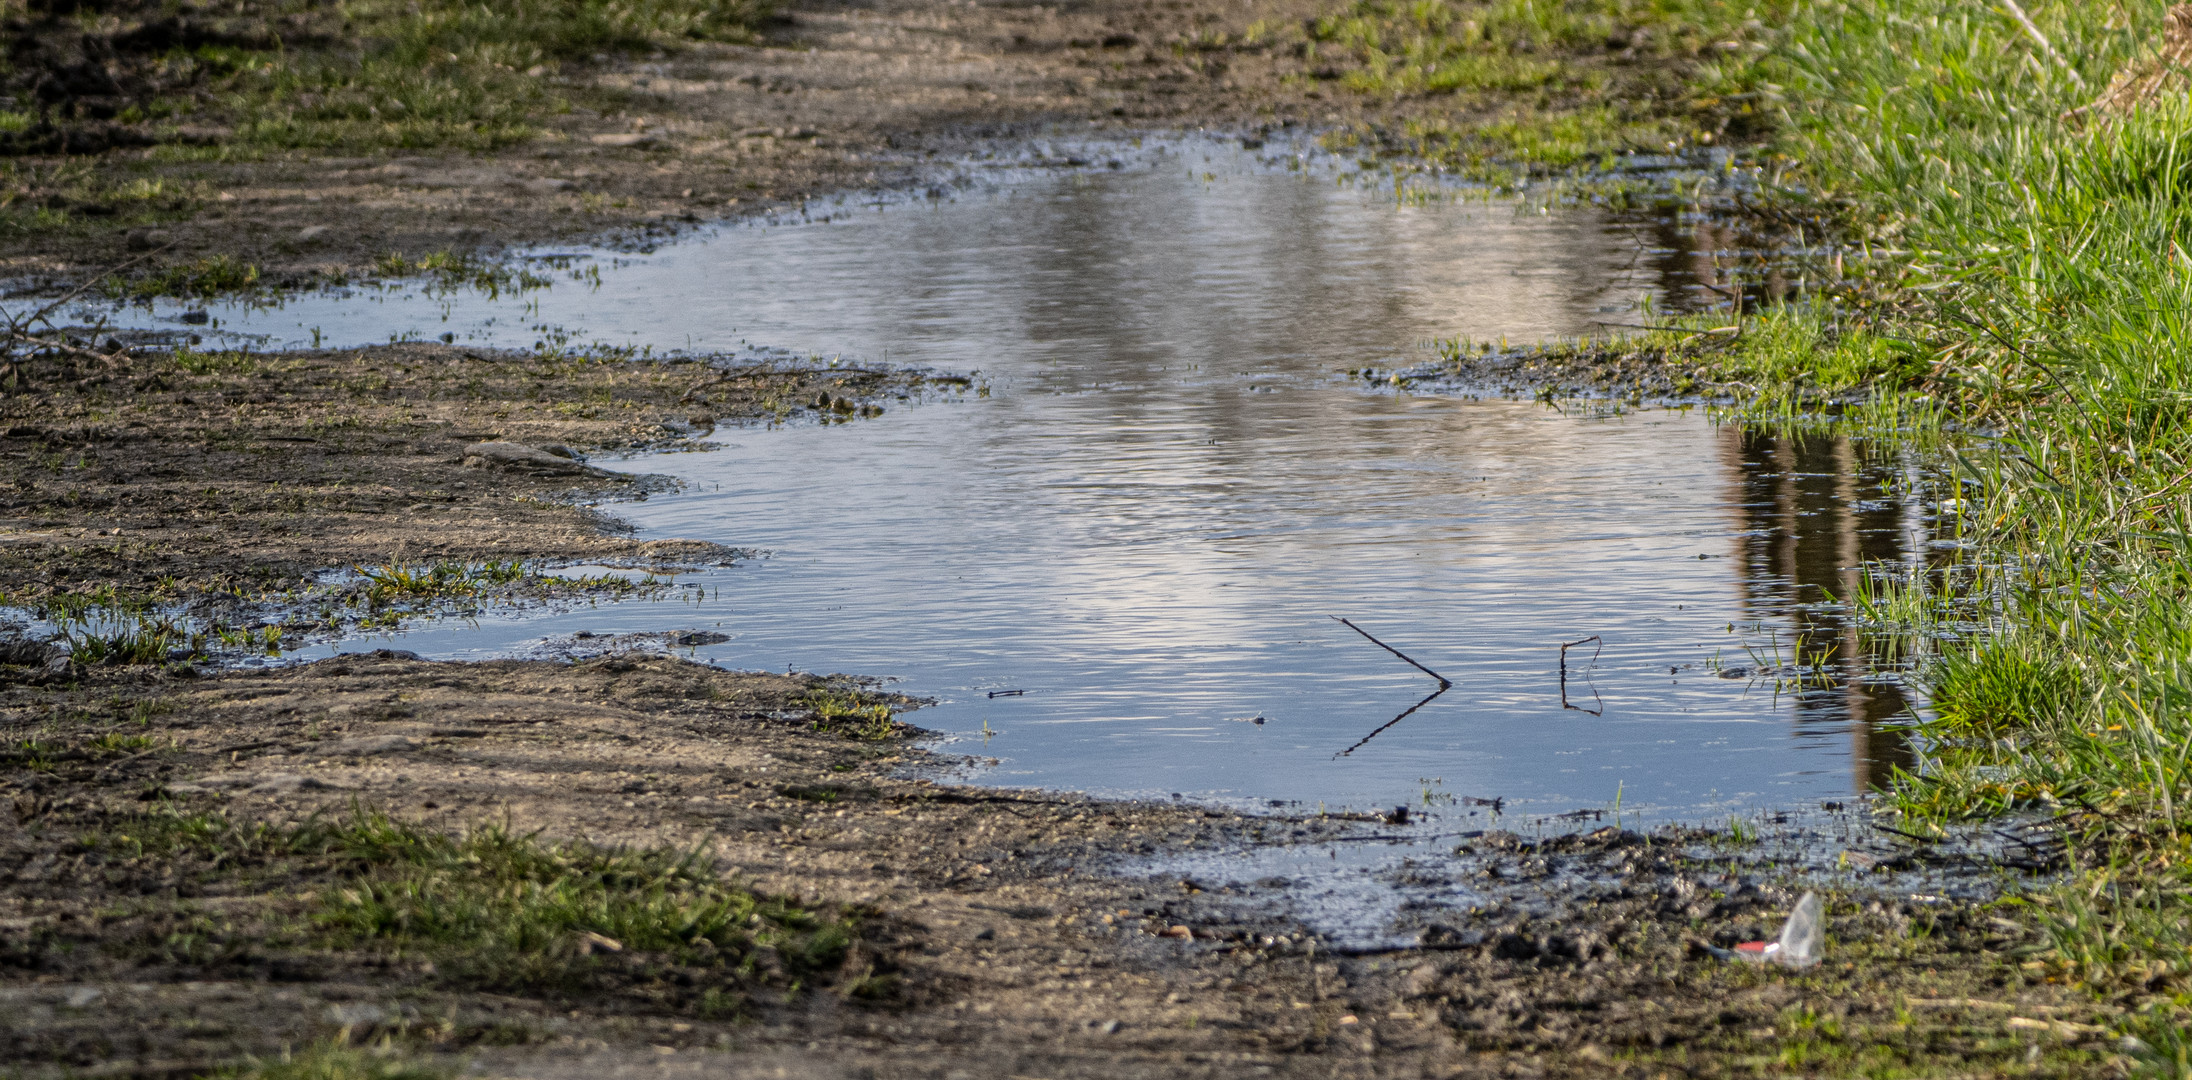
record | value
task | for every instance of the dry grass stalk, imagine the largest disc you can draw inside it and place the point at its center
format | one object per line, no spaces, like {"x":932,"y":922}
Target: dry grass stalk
{"x":2150,"y":80}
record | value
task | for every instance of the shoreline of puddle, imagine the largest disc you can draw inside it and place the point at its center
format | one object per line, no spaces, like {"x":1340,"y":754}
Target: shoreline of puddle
{"x":1799,"y":596}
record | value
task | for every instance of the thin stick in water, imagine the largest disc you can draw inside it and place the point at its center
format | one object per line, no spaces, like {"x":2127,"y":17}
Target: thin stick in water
{"x":1564,"y":647}
{"x":1444,"y":682}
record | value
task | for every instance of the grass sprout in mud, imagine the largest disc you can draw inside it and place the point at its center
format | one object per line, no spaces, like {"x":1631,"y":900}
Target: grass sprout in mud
{"x":854,"y":713}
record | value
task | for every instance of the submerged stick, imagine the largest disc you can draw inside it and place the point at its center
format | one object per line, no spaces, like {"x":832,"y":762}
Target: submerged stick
{"x":1443,"y":681}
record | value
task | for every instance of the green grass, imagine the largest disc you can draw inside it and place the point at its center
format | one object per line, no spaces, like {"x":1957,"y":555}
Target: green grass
{"x":373,"y":74}
{"x":2019,"y":303}
{"x":2030,"y":289}
{"x":79,"y":194}
{"x":213,"y":276}
{"x":501,"y":910}
{"x":123,"y":635}
{"x":851,"y":713}
{"x":1551,"y":85}
{"x":452,"y":272}
{"x":497,"y":910}
{"x":436,"y":581}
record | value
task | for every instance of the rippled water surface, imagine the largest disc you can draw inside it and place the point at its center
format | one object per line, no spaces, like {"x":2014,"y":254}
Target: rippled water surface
{"x":1172,"y":485}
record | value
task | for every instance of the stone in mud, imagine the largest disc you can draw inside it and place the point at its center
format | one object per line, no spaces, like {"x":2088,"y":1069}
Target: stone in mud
{"x":372,"y":744}
{"x":1512,"y":946}
{"x":700,"y":637}
{"x":518,"y":457}
{"x":279,"y":782}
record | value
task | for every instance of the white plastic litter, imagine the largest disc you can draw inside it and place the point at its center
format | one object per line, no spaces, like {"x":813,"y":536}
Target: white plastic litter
{"x":1801,"y":938}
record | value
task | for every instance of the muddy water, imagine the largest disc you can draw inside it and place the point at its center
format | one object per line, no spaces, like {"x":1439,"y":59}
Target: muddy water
{"x":1116,"y":566}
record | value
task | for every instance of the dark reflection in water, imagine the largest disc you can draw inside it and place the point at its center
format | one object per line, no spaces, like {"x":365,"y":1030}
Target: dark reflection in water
{"x":1817,"y":510}
{"x":1703,"y":263}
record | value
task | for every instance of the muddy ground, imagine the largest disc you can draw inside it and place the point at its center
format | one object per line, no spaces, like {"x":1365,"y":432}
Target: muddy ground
{"x":179,"y":473}
{"x":1000,"y":933}
{"x":841,"y":96}
{"x":993,"y":934}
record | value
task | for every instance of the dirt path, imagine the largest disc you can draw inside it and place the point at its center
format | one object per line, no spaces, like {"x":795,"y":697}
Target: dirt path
{"x":844,"y":96}
{"x":203,"y":868}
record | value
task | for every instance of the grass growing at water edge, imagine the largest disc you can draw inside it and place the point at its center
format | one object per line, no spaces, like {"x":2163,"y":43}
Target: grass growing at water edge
{"x":2039,"y":298}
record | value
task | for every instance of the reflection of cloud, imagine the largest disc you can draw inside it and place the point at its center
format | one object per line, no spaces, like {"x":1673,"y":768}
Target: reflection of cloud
{"x":1172,"y":487}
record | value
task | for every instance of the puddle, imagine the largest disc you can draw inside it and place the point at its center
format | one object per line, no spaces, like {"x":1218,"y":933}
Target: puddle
{"x":1116,"y":561}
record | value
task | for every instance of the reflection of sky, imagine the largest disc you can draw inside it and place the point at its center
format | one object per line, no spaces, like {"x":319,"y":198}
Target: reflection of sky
{"x":1173,"y":486}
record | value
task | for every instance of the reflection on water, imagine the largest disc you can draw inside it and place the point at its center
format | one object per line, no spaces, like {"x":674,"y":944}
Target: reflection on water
{"x":1171,"y":488}
{"x":1817,"y":512}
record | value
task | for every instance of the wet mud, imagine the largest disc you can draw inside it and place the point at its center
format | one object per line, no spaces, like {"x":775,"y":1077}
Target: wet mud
{"x":994,"y":932}
{"x":997,"y":932}
{"x":833,"y":97}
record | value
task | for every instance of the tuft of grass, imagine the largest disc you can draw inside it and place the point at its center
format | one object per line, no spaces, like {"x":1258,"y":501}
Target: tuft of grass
{"x":450,"y":272}
{"x":215,"y":275}
{"x":121,"y":635}
{"x":437,"y":581}
{"x":495,"y":909}
{"x":498,"y":909}
{"x":215,"y":362}
{"x":851,"y":713}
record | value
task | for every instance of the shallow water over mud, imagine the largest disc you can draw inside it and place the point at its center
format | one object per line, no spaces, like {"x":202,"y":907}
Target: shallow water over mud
{"x":1117,"y":563}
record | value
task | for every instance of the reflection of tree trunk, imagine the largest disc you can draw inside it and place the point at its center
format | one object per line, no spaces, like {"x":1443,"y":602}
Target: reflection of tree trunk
{"x":1808,"y":532}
